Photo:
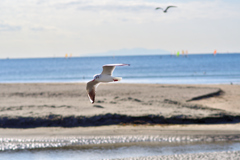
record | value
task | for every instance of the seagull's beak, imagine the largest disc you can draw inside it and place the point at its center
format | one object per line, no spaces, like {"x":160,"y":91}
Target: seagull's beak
{"x":93,"y":80}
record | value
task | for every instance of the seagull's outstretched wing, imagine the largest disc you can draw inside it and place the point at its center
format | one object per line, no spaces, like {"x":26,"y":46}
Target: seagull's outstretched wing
{"x":109,"y":68}
{"x":168,"y":8}
{"x":158,"y":8}
{"x":91,"y":90}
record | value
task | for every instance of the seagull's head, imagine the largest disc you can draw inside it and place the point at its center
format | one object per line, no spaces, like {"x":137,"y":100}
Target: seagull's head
{"x":96,"y":77}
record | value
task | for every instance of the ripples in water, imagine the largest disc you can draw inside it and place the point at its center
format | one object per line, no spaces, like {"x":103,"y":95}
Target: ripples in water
{"x":44,"y":143}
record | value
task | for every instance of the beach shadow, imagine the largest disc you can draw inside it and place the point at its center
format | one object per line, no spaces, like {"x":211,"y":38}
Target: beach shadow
{"x":98,"y":106}
{"x":111,"y":119}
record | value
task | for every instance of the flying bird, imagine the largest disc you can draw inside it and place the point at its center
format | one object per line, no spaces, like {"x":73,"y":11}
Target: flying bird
{"x":105,"y":76}
{"x":165,"y":11}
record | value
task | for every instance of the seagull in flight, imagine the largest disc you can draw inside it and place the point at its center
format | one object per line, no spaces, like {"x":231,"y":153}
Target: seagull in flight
{"x":104,"y":77}
{"x":165,"y":11}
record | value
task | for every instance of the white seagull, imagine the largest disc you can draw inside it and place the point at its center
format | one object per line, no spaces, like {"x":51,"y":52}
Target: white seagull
{"x":105,"y":76}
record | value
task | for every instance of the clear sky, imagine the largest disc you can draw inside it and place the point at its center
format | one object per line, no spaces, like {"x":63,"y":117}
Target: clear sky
{"x":47,"y":28}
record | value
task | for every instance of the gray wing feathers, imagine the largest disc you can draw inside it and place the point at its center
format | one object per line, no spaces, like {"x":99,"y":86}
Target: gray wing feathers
{"x":168,"y":8}
{"x":108,"y":70}
{"x":91,"y":90}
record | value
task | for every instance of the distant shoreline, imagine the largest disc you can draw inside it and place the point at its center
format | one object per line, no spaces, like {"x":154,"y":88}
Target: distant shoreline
{"x":87,"y":56}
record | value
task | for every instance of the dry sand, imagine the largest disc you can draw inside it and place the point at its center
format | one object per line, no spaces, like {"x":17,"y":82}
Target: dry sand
{"x":134,"y":100}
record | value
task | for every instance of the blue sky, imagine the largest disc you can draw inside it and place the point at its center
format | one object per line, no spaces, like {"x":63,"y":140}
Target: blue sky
{"x":47,"y":28}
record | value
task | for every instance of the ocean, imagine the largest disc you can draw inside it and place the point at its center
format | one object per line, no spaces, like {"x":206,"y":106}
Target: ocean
{"x":162,"y":69}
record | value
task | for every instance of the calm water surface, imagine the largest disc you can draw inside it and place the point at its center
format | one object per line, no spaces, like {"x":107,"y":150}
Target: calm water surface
{"x":193,"y":69}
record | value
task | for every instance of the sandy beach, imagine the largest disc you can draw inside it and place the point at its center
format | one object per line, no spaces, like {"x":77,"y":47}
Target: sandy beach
{"x":120,"y":109}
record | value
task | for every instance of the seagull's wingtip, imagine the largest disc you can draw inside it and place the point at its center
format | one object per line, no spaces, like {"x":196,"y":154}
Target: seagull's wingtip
{"x":91,"y":95}
{"x":91,"y":100}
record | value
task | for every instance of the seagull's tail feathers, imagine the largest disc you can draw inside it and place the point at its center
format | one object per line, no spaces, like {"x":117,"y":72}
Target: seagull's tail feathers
{"x":117,"y":78}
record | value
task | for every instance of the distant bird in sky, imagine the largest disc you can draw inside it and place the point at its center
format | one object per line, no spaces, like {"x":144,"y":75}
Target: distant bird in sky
{"x":105,"y":76}
{"x":165,"y":11}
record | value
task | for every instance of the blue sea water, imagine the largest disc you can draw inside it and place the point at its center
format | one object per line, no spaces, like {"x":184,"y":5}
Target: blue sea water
{"x":165,"y":69}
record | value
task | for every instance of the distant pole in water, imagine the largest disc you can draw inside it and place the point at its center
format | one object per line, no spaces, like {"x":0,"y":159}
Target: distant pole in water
{"x":215,"y":52}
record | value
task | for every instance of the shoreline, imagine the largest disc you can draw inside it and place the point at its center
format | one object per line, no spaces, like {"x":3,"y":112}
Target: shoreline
{"x":124,"y":130}
{"x":116,"y":136}
{"x":58,"y":137}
